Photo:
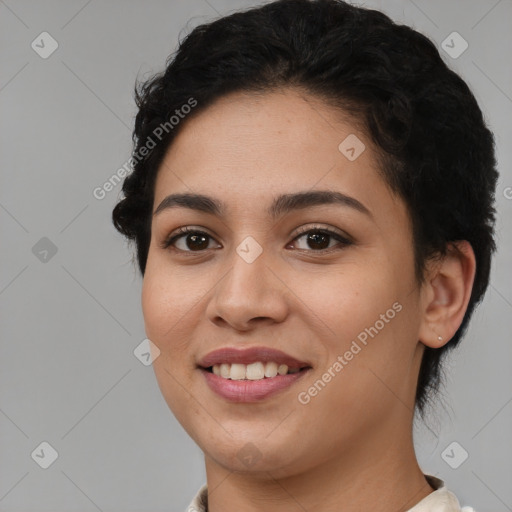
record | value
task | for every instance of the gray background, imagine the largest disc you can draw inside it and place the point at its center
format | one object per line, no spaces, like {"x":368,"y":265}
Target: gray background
{"x":70,"y":321}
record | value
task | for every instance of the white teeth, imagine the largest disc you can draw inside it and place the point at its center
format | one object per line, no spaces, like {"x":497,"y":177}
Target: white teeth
{"x":283,"y":369}
{"x":237,"y":371}
{"x":253,"y":371}
{"x":225,"y":370}
{"x":271,"y":369}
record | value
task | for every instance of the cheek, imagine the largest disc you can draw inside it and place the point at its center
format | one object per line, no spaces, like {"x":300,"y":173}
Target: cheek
{"x":370,"y":320}
{"x":351,"y":300}
{"x":168,"y":313}
{"x":168,"y":298}
{"x":168,"y":310}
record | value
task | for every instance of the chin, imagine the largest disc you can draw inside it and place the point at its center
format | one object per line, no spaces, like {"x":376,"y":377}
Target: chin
{"x":252,"y":454}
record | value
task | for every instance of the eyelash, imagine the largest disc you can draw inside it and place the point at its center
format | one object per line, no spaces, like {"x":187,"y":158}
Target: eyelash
{"x":344,"y":241}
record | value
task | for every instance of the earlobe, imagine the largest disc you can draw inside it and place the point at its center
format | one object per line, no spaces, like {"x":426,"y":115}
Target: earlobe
{"x":447,"y":290}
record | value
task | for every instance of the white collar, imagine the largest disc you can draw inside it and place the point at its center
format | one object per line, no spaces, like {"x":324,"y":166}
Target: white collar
{"x":441,"y":500}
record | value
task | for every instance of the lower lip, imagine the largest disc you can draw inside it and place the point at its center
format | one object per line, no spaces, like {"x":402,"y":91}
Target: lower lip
{"x":250,"y":390}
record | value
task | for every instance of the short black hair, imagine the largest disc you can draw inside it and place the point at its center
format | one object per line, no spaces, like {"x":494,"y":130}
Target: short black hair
{"x":434,"y":147}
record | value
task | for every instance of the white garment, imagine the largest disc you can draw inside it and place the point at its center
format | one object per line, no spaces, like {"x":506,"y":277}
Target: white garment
{"x":441,"y":500}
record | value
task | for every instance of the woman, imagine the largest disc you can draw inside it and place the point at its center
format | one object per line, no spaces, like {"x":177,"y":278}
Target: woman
{"x":312,"y":205}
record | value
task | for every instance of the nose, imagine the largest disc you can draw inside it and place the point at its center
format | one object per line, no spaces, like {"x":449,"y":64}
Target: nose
{"x":249,"y":294}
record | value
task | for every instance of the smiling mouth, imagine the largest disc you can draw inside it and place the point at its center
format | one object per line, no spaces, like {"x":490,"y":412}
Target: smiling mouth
{"x":254,"y":371}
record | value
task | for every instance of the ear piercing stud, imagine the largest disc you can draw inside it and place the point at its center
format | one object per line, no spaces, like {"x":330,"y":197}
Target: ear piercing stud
{"x":439,"y":338}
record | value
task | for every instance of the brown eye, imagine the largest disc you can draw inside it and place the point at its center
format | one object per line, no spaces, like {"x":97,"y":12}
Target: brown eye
{"x":321,"y":239}
{"x":318,"y":240}
{"x":196,"y":241}
{"x":189,"y":240}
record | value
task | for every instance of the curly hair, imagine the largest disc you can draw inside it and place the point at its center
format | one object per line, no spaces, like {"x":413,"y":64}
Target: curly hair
{"x":434,"y":147}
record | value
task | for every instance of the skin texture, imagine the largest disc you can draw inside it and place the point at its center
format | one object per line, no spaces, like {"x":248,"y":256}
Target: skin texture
{"x":352,"y":443}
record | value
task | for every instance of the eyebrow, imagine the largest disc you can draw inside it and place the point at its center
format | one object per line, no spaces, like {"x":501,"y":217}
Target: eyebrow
{"x":280,"y":206}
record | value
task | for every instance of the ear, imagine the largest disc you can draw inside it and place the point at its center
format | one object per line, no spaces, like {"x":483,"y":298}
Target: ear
{"x":446,"y":293}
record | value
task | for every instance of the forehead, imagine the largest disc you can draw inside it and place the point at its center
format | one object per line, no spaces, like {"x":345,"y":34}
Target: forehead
{"x":247,"y":147}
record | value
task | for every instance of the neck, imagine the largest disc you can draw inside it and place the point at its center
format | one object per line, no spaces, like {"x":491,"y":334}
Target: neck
{"x":380,"y":471}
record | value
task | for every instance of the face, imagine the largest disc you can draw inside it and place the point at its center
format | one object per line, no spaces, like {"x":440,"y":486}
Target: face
{"x":326,"y":277}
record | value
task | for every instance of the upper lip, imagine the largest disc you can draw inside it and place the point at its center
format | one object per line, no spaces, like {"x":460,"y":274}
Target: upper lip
{"x":250,"y":355}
